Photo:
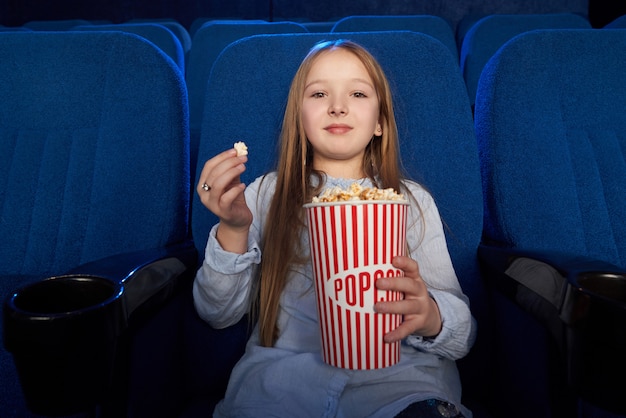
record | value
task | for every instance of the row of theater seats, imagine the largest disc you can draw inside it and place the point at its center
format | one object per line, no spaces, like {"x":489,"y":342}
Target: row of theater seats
{"x":473,"y":41}
{"x":96,"y":182}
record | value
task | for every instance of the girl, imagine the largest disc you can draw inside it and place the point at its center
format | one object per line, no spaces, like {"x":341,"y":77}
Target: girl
{"x":338,"y":128}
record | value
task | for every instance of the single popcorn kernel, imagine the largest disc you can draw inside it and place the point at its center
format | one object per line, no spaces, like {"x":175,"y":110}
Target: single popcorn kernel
{"x":357,"y":192}
{"x":241,"y":148}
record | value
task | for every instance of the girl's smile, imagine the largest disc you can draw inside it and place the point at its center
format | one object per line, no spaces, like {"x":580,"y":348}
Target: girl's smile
{"x":338,"y":128}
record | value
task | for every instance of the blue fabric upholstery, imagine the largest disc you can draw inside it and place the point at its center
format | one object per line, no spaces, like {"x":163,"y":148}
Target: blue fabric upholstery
{"x":177,"y":29}
{"x":208,"y":42}
{"x":551,"y":129}
{"x":488,"y":34}
{"x":617,"y":23}
{"x":319,"y":27}
{"x":157,"y":33}
{"x":180,"y":32}
{"x":435,"y":127}
{"x":550,"y":121}
{"x":93,"y":158}
{"x":80,"y":125}
{"x":464,"y":25}
{"x":431,"y":25}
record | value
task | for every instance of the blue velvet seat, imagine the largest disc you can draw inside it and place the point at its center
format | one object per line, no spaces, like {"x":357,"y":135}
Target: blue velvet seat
{"x":198,"y":22}
{"x":464,"y":25}
{"x":617,"y":23}
{"x":177,"y":29}
{"x":431,"y":25}
{"x":157,"y":33}
{"x":551,"y":129}
{"x":93,"y":181}
{"x":207,"y":43}
{"x":488,"y":34}
{"x":438,"y":148}
{"x":319,"y":27}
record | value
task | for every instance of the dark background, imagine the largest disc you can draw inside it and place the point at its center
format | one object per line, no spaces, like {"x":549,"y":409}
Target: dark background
{"x":18,"y":12}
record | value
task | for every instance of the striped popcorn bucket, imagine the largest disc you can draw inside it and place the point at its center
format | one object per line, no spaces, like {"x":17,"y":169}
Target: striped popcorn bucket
{"x":352,"y":245}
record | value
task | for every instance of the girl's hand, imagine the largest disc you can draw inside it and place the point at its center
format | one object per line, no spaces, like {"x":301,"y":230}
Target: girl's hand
{"x":421,"y":313}
{"x":225,"y":198}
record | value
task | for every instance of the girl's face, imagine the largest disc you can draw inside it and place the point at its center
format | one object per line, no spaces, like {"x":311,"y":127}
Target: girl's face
{"x":340,"y":112}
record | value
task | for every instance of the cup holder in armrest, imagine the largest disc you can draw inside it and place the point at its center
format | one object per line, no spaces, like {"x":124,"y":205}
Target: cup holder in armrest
{"x":63,"y":296}
{"x":606,"y":285}
{"x":63,"y":333}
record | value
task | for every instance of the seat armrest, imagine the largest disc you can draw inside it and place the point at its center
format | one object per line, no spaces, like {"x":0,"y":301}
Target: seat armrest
{"x":581,"y":302}
{"x":546,"y":274}
{"x":149,"y":277}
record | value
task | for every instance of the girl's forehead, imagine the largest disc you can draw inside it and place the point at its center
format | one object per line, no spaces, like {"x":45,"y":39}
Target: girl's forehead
{"x":337,"y":55}
{"x":337,"y":62}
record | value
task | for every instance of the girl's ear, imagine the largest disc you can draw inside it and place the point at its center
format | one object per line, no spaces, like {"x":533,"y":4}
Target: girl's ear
{"x":379,"y":130}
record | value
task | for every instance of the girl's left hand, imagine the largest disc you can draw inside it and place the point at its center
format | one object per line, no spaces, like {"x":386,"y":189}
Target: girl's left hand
{"x":421,"y":313}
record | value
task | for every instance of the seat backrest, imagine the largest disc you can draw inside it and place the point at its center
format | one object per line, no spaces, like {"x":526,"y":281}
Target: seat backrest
{"x":617,"y":23}
{"x":14,"y":29}
{"x":55,"y":25}
{"x":431,"y":106}
{"x":488,"y":34}
{"x":319,"y":27}
{"x":177,"y":29}
{"x":431,"y":25}
{"x":551,"y":127}
{"x":198,"y":22}
{"x":464,"y":25}
{"x":158,"y":34}
{"x":208,"y":42}
{"x":93,"y":149}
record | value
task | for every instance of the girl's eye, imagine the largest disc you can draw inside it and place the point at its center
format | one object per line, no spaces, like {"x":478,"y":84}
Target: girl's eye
{"x":359,"y":94}
{"x":318,"y":94}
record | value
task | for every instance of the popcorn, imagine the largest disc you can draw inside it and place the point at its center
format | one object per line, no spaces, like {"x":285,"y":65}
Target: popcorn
{"x":357,"y":192}
{"x":241,"y":148}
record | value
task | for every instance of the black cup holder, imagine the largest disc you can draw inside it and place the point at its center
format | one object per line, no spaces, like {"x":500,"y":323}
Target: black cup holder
{"x":63,"y":334}
{"x":63,"y":296}
{"x":596,"y":338}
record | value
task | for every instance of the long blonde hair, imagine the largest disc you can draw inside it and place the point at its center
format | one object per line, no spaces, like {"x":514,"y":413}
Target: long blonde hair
{"x":294,"y":186}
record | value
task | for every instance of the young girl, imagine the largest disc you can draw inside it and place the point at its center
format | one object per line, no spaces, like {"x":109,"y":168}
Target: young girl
{"x":338,"y":128}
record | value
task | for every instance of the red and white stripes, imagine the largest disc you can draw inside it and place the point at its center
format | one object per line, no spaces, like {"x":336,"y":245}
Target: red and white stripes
{"x":352,"y":245}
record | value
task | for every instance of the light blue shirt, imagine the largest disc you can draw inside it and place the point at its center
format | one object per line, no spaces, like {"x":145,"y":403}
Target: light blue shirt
{"x":290,"y":379}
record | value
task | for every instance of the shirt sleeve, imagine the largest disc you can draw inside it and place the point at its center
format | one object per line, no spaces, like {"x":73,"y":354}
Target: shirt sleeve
{"x":224,"y":284}
{"x":427,"y":245}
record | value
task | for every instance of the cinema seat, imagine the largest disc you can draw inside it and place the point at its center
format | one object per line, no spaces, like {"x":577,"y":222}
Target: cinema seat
{"x":94,"y":216}
{"x":55,"y":24}
{"x":434,"y":26}
{"x":177,"y":29}
{"x":551,"y":130}
{"x":488,"y":34}
{"x":208,"y":42}
{"x":157,"y":33}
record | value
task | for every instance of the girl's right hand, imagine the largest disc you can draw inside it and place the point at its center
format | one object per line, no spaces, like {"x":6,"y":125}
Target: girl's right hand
{"x":225,"y":197}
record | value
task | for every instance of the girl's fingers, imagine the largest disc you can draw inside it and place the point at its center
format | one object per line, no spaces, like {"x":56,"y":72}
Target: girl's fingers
{"x":220,"y":171}
{"x":420,"y":312}
{"x":210,"y":164}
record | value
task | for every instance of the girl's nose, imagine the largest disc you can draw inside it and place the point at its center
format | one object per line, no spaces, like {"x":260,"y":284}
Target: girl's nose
{"x":337,"y":109}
